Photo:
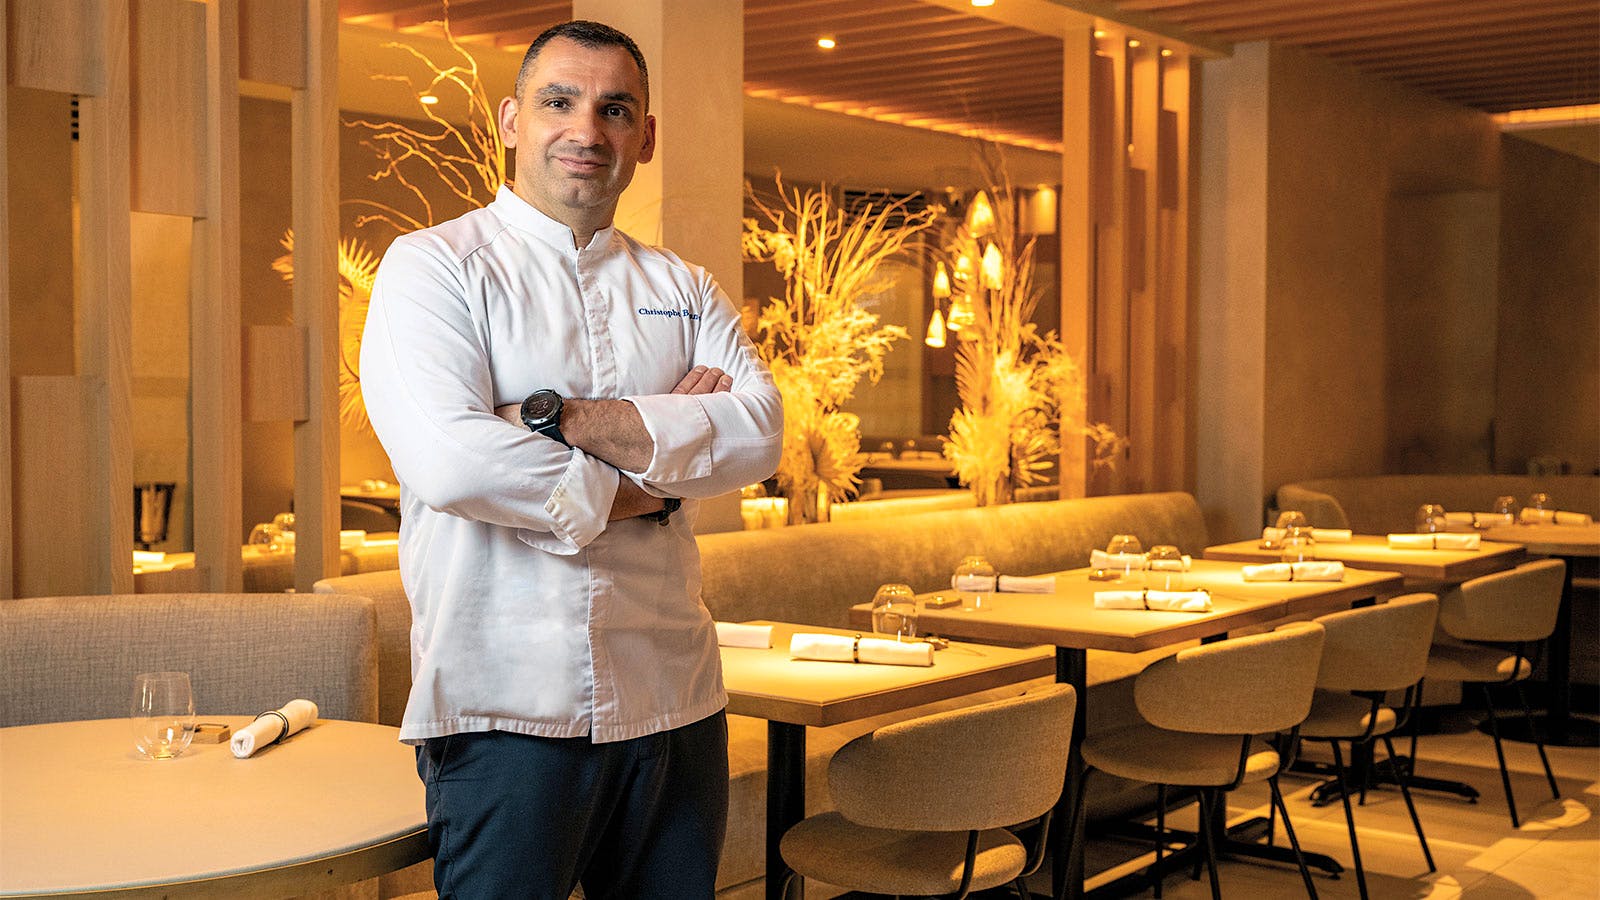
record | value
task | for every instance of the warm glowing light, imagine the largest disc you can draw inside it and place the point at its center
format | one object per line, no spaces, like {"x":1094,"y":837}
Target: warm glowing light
{"x":982,"y":3}
{"x":427,"y":99}
{"x":963,"y":268}
{"x":962,"y":313}
{"x":1552,"y":115}
{"x":991,"y":267}
{"x":1099,"y":33}
{"x":827,"y":43}
{"x":1165,"y":51}
{"x":980,"y":218}
{"x":941,"y":283}
{"x":1134,"y":43}
{"x":935,"y":336}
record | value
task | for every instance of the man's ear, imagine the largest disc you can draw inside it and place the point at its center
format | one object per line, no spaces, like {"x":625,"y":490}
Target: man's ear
{"x":648,"y":151}
{"x":508,"y":121}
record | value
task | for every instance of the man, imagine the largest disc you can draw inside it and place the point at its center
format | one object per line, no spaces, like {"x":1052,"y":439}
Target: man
{"x":567,"y":692}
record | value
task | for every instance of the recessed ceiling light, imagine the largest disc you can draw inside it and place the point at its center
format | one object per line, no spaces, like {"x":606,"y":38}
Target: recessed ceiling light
{"x":1099,"y":33}
{"x":1134,"y":43}
{"x":982,"y":2}
{"x":827,"y":43}
{"x":1166,"y":52}
{"x":427,"y":99}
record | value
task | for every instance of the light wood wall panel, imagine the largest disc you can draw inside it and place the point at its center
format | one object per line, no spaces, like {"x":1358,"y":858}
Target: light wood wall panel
{"x":7,"y":556}
{"x":275,"y":374}
{"x":1076,"y":234}
{"x":104,"y":309}
{"x":1146,"y":438}
{"x":1108,"y":381}
{"x":216,"y":421}
{"x":55,"y":45}
{"x":314,"y":113}
{"x":1175,"y":386}
{"x":168,"y":104}
{"x":272,"y":46}
{"x":60,"y":503}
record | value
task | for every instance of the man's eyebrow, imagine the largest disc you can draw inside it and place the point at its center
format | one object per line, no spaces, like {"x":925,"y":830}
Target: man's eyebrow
{"x":556,"y":89}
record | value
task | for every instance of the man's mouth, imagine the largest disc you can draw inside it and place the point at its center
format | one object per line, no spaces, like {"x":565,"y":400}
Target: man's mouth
{"x":579,"y":165}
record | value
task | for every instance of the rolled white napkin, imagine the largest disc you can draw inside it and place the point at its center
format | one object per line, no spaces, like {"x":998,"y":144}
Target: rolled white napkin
{"x":1466,"y":522}
{"x":1161,"y":601}
{"x":732,"y":634}
{"x":980,"y":584}
{"x":845,"y":648}
{"x":1099,"y":559}
{"x":1034,"y":584}
{"x":1309,"y":570}
{"x":272,"y":726}
{"x":1320,"y":535}
{"x":1554,"y":517}
{"x":1441,"y":541}
{"x":351,"y":538}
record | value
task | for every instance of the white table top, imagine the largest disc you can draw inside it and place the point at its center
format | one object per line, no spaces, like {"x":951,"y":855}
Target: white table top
{"x":1068,"y":617}
{"x":1551,"y":540}
{"x":1367,"y":551}
{"x":83,"y":811}
{"x":767,"y":684}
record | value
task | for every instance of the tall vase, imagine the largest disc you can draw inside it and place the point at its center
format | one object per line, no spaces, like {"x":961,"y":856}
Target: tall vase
{"x":993,"y":490}
{"x":808,"y":503}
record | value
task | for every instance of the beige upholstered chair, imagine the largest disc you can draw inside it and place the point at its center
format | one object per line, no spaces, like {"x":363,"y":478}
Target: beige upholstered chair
{"x":1367,"y":653}
{"x":1202,"y":710}
{"x":1515,"y":607}
{"x":72,"y":658}
{"x":897,"y":831}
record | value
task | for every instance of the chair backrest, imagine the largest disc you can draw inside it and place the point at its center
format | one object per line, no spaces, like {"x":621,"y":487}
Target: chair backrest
{"x":1248,"y":685}
{"x":1515,"y":605}
{"x":388,"y":596}
{"x":1007,"y":760}
{"x":69,"y":658}
{"x":1378,"y":648}
{"x":1322,"y":510}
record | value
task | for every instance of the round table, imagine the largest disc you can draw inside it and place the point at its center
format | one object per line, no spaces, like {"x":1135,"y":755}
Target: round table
{"x":336,"y":803}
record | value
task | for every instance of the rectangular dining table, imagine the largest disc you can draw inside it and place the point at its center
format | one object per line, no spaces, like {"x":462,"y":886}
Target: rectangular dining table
{"x":1368,"y":551}
{"x":791,"y":694}
{"x":1068,"y":620}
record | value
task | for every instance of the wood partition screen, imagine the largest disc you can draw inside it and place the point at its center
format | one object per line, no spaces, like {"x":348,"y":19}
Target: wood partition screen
{"x":156,"y":85}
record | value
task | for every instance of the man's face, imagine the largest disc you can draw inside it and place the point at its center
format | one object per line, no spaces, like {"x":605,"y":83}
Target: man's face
{"x":579,"y":130}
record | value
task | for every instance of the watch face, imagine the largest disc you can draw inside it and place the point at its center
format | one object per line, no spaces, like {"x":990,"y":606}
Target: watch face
{"x":540,"y":407}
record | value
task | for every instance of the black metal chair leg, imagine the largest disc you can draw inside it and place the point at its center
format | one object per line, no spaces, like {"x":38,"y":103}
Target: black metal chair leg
{"x":1555,"y":790}
{"x":1349,"y":819}
{"x":1161,"y":837}
{"x":1210,"y":837}
{"x":1404,"y":781}
{"x":1288,"y":829}
{"x":1500,"y":754}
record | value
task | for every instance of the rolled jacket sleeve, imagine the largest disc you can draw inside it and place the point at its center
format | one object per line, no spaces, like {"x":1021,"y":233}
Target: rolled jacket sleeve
{"x":710,"y":444}
{"x":428,"y":389}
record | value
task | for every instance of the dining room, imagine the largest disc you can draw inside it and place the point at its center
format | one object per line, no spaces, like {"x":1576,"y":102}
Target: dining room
{"x":1122,"y":334}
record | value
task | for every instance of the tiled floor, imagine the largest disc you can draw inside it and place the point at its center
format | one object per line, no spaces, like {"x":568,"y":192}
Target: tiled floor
{"x":1555,"y":854}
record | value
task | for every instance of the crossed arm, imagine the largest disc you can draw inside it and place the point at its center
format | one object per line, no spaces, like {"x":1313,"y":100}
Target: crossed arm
{"x":613,"y":430}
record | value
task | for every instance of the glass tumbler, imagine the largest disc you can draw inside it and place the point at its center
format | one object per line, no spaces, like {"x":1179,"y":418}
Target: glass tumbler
{"x":894,"y":611}
{"x":1165,"y":571}
{"x":1127,"y":556}
{"x":976,"y":576}
{"x":1299,"y":545}
{"x":1431,"y":519}
{"x":162,"y":714}
{"x":1289,"y":518}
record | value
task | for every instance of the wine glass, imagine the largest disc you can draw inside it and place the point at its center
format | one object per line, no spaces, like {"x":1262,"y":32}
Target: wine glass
{"x":162,"y":714}
{"x":1543,"y":510}
{"x":1505,"y":506}
{"x":1126,"y":555}
{"x":1431,"y":519}
{"x":894,"y":611}
{"x":1165,"y":571}
{"x":1289,"y":518}
{"x":1299,"y":544}
{"x":974,"y":574}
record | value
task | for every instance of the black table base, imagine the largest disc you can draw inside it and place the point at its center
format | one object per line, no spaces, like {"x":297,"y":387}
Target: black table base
{"x":1569,"y":731}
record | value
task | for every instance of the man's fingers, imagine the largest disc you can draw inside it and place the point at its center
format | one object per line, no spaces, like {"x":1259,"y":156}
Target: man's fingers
{"x":702,"y":380}
{"x":687,"y":383}
{"x":724,"y":383}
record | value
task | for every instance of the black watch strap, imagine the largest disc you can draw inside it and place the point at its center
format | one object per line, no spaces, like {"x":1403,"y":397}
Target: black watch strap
{"x":669,"y":505}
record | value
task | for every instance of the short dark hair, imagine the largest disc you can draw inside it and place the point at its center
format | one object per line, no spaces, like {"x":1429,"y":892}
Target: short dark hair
{"x":587,"y":34}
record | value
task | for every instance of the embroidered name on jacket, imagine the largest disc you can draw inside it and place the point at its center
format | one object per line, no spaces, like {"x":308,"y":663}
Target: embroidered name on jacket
{"x":672,"y":313}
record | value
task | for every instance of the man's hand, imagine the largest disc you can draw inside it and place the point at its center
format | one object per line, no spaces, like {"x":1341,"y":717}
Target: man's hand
{"x":632,"y":501}
{"x":702,"y":380}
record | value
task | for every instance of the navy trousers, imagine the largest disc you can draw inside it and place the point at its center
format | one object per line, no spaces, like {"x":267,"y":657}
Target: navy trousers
{"x":511,"y":815}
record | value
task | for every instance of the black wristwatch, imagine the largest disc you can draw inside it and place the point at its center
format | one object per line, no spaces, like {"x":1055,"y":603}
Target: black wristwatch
{"x":541,"y":412}
{"x":669,"y":505}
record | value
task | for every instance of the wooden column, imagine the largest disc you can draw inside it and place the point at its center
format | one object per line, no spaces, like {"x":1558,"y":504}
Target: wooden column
{"x":1147,"y":432}
{"x":7,"y":533}
{"x":1174,"y":468}
{"x":315,"y":150}
{"x":1108,"y":382}
{"x":215,"y":365}
{"x":1076,"y":234}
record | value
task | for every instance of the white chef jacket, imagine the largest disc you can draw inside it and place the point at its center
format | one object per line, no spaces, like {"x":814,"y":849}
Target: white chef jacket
{"x":530,"y":612}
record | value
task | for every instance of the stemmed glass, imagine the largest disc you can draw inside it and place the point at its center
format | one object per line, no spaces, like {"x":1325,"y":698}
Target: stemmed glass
{"x":1165,"y":572}
{"x":1299,"y":545}
{"x":1288,"y":520}
{"x":974,"y":574}
{"x":1125,"y":551}
{"x":162,"y":714}
{"x":1431,"y":519}
{"x":1539,"y":502}
{"x":894,"y":611}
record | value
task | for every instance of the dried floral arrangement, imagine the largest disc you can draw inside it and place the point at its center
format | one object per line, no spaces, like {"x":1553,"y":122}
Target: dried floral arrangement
{"x":1015,"y":384}
{"x":821,"y":338}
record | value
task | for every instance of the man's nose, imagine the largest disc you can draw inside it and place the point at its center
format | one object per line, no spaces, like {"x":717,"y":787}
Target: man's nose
{"x":585,"y":128}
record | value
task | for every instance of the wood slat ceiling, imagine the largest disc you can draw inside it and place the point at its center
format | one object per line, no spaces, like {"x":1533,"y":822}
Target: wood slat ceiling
{"x":932,"y":66}
{"x":1495,"y":55}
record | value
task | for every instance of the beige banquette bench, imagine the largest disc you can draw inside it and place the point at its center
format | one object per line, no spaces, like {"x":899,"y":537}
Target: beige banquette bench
{"x":813,"y":574}
{"x":1379,"y":504}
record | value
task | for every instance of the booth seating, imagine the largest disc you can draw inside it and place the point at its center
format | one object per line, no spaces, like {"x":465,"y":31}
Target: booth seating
{"x":1379,"y":504}
{"x":813,"y":574}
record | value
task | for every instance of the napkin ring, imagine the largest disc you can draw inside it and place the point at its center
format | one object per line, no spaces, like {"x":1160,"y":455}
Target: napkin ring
{"x":282,"y":718}
{"x":855,"y":649}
